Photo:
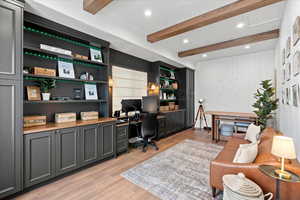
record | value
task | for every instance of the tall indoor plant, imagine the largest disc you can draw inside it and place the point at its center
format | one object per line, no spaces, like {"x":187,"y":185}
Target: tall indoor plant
{"x":266,"y":103}
{"x":46,"y":85}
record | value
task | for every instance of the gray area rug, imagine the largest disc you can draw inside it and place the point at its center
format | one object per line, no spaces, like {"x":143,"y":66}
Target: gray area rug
{"x":179,"y":173}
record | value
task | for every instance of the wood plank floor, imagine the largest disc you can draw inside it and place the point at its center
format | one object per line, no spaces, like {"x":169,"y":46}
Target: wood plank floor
{"x":103,"y":181}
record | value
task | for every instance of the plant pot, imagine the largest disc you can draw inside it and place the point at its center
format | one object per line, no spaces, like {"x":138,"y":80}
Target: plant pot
{"x":46,"y":96}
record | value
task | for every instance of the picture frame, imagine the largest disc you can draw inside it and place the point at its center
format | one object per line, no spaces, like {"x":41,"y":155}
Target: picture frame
{"x":77,"y":94}
{"x":96,"y":55}
{"x":66,"y":69}
{"x":283,"y":56}
{"x":288,"y":71}
{"x":295,"y":95}
{"x":296,"y":31}
{"x":33,"y":93}
{"x":296,"y":63}
{"x":288,"y":47}
{"x":90,"y":92}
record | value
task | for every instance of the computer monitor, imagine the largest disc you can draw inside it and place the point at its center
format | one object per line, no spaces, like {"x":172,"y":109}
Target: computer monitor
{"x":150,"y":104}
{"x":129,"y":105}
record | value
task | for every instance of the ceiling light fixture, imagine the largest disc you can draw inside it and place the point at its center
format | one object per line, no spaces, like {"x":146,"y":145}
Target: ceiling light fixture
{"x":240,"y":25}
{"x":247,"y":47}
{"x":148,"y":13}
{"x":204,"y":55}
{"x":185,"y":41}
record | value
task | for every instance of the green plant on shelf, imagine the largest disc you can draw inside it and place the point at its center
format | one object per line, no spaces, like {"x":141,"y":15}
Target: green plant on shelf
{"x":46,"y":85}
{"x":60,"y":38}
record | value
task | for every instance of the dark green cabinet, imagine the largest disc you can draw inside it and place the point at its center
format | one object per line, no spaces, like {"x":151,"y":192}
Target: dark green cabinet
{"x":39,"y":157}
{"x":107,"y":133}
{"x":175,"y":121}
{"x":88,"y":144}
{"x":67,"y":150}
{"x":122,"y":138}
{"x":11,"y":145}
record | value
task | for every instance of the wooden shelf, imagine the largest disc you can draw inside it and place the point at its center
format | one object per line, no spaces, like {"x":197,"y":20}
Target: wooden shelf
{"x":33,"y":77}
{"x":26,"y":47}
{"x":55,"y":126}
{"x":64,"y":101}
{"x":167,"y":79}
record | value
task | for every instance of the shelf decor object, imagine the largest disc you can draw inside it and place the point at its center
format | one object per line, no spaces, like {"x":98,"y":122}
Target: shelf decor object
{"x":33,"y":93}
{"x":44,"y":71}
{"x":92,"y":115}
{"x":96,"y":55}
{"x":90,"y":92}
{"x":55,"y":49}
{"x":65,"y":117}
{"x":66,"y":69}
{"x":37,"y":120}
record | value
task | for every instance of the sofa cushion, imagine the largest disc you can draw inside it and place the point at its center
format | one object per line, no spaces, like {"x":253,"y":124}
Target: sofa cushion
{"x":246,"y":153}
{"x":252,"y":133}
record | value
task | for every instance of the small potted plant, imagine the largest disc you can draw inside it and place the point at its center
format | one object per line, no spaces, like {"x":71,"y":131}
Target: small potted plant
{"x":46,"y":85}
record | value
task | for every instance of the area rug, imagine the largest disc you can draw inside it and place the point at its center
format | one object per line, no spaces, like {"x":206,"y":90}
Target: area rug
{"x":179,"y":173}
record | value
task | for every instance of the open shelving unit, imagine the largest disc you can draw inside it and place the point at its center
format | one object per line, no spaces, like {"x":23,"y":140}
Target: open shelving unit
{"x":41,"y":31}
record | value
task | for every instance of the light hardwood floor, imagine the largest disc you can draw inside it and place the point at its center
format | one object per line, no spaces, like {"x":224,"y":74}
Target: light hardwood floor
{"x":103,"y":181}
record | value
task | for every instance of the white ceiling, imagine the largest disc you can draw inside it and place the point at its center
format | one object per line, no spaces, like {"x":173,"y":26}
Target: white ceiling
{"x":123,"y":24}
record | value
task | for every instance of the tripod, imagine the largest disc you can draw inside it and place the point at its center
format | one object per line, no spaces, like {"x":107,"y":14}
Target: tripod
{"x":202,"y":116}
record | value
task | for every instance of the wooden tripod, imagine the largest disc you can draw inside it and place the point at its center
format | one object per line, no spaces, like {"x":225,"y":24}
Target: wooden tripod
{"x":200,"y":113}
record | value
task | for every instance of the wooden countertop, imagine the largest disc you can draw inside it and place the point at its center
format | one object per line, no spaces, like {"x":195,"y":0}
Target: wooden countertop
{"x":54,"y":126}
{"x":232,"y":114}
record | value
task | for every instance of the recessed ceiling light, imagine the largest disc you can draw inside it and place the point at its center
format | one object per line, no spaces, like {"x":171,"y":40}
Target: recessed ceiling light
{"x":204,"y":55}
{"x":185,"y":41}
{"x":148,"y":13}
{"x":247,"y":47}
{"x":240,"y":25}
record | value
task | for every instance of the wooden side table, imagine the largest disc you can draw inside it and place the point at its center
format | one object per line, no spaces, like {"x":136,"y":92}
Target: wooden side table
{"x":269,"y":170}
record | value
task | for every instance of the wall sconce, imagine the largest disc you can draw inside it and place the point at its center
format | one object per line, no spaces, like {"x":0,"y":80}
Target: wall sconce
{"x":152,"y":86}
{"x":110,"y":82}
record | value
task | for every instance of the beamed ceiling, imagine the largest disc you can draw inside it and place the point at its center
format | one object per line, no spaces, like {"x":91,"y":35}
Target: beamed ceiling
{"x":207,"y":24}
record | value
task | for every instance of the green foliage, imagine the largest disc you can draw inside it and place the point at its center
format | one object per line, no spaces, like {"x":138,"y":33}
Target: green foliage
{"x":46,"y":85}
{"x":265,"y":103}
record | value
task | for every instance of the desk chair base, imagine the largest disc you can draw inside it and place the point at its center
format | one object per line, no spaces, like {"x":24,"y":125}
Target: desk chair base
{"x":149,"y":142}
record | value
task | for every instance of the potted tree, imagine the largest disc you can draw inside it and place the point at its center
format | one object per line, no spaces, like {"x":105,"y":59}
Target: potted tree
{"x":266,"y":103}
{"x":46,"y":85}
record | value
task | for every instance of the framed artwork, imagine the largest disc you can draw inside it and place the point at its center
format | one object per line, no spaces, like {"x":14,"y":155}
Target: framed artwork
{"x":33,"y":93}
{"x":65,"y":69}
{"x":296,"y":31}
{"x":283,"y":57}
{"x":288,"y":46}
{"x":288,"y":71}
{"x":90,"y":92}
{"x":296,"y":63}
{"x":295,"y":95}
{"x":96,"y":55}
{"x":287,"y":96}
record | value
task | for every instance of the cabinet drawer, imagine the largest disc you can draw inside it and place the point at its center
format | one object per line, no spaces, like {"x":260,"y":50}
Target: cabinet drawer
{"x":122,"y":132}
{"x":122,"y":146}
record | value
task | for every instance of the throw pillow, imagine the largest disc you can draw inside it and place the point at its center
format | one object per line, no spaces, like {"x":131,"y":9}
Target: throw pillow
{"x":252,"y":133}
{"x":246,"y":153}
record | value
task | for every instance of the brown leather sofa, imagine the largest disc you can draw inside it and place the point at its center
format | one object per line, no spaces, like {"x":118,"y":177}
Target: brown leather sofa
{"x":223,"y":165}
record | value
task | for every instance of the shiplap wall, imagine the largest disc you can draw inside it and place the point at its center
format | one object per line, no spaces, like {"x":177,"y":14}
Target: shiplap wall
{"x":228,"y":84}
{"x":127,"y":84}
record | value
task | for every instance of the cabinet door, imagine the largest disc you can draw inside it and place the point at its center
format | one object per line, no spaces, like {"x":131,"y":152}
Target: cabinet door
{"x":88,"y":144}
{"x":11,"y":22}
{"x":108,"y":132}
{"x":39,"y":157}
{"x":67,"y":147}
{"x":11,"y":136}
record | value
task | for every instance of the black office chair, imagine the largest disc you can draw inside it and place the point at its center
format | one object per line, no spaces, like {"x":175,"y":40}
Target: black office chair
{"x":149,"y":130}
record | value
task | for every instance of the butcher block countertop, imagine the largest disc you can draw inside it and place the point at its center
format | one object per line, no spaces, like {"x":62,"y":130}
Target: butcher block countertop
{"x":54,"y":126}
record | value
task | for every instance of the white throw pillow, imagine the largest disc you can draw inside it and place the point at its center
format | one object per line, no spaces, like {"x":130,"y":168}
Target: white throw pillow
{"x":252,"y":133}
{"x":246,"y":153}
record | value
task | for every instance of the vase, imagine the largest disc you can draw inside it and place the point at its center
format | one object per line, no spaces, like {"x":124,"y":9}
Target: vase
{"x":46,"y":96}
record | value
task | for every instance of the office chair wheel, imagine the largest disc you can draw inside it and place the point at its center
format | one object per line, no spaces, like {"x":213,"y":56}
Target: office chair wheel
{"x":144,"y":149}
{"x":156,"y":148}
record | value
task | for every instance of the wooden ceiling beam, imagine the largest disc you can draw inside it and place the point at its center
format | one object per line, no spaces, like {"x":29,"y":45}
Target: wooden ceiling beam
{"x":231,"y":43}
{"x":93,"y":6}
{"x":234,"y":9}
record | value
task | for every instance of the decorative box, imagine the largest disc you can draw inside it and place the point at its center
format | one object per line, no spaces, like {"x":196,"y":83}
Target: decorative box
{"x":164,"y":108}
{"x":78,"y":56}
{"x":176,"y":107}
{"x":89,"y":115}
{"x":172,"y":105}
{"x":44,"y":71}
{"x":36,"y":120}
{"x":65,"y":117}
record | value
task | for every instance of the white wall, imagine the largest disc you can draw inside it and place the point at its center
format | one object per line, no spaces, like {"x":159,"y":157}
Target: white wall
{"x":289,"y":115}
{"x":228,"y":84}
